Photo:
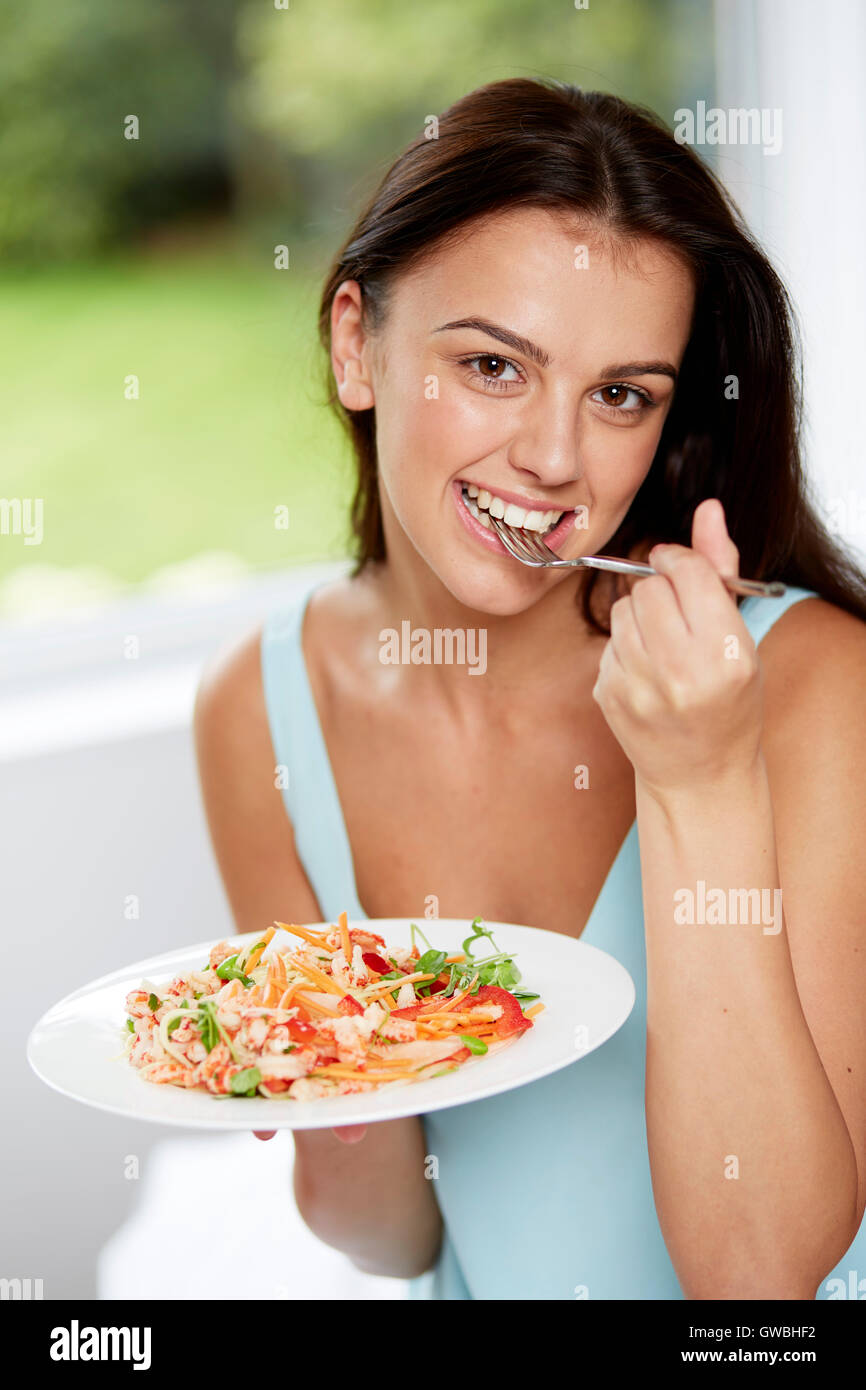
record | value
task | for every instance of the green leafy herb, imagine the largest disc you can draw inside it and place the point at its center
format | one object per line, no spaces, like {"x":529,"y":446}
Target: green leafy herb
{"x":524,"y":994}
{"x":291,"y":1047}
{"x":153,"y":1003}
{"x":412,"y":930}
{"x":130,"y":1025}
{"x":475,"y":1045}
{"x":173,"y":1023}
{"x":244,"y":1083}
{"x":477,"y":932}
{"x":228,"y":970}
{"x":208,"y":1026}
{"x":431,"y":963}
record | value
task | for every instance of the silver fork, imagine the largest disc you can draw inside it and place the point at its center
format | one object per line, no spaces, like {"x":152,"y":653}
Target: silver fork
{"x":529,"y":549}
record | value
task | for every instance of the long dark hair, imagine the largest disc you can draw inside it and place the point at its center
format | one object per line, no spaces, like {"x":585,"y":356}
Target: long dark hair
{"x":733,"y":429}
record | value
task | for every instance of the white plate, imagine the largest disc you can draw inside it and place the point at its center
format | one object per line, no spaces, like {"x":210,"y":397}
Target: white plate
{"x":587,"y":995}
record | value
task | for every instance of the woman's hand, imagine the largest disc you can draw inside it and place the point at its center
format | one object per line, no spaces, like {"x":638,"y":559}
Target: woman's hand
{"x":349,"y":1134}
{"x":679,"y":681}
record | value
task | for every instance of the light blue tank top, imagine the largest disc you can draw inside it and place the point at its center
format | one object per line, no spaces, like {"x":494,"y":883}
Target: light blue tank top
{"x":545,"y":1192}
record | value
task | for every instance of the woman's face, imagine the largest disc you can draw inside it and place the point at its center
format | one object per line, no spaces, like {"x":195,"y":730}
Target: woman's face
{"x":515,"y":374}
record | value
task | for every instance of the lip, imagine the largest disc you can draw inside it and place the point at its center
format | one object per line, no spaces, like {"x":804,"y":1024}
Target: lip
{"x":489,"y":538}
{"x":529,"y":504}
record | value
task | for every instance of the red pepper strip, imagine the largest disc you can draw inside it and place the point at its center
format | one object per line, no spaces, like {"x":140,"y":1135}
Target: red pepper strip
{"x":299,"y":1031}
{"x":412,"y":1011}
{"x":375,"y":962}
{"x":512,"y":1020}
{"x":349,"y":1005}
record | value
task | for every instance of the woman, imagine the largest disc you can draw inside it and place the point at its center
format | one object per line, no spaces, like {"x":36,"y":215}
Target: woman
{"x":553,"y":304}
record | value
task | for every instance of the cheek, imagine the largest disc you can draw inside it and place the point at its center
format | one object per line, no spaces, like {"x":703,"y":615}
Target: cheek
{"x":616,"y":460}
{"x":429,"y":437}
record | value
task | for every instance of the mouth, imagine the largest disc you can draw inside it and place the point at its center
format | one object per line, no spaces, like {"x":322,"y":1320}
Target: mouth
{"x":483,"y":505}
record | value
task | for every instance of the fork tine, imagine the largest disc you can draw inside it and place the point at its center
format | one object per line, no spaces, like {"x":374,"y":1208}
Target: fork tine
{"x":530,"y":549}
{"x":515,"y":544}
{"x":538,"y":547}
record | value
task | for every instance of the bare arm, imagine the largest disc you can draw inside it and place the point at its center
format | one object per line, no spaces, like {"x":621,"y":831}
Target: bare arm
{"x":748,"y":777}
{"x":756,"y":1038}
{"x":370,"y":1198}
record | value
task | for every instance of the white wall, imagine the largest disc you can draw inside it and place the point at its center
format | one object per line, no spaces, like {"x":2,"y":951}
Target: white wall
{"x":807,"y":206}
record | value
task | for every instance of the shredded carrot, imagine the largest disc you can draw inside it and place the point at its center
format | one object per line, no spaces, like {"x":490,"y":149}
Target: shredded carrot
{"x":536,"y":1009}
{"x":393,"y":1061}
{"x":390,"y":985}
{"x":278,"y":970}
{"x":449,"y":960}
{"x":314,"y":973}
{"x":343,"y":1072}
{"x":314,"y":938}
{"x":456,"y":998}
{"x":344,"y":933}
{"x":315,"y":1005}
{"x":256,"y":953}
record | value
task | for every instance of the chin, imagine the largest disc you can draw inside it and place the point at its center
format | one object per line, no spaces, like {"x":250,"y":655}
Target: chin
{"x":500,"y":596}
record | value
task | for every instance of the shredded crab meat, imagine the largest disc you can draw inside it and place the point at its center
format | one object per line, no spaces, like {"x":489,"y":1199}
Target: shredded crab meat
{"x":350,"y":976}
{"x":201,"y":1032}
{"x":399,"y":1030}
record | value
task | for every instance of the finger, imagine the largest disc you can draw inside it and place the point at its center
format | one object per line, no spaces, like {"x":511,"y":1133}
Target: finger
{"x":350,"y":1134}
{"x":626,"y":639}
{"x":700,"y":593}
{"x":659,"y":618}
{"x":264,"y":1133}
{"x":710,"y":537}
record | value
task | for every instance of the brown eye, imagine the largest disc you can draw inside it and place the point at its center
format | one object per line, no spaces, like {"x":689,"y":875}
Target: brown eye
{"x":497,"y":366}
{"x":617,"y":398}
{"x":491,"y":374}
{"x":619,"y":394}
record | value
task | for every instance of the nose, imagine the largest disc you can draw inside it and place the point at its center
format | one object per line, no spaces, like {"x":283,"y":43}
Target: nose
{"x":546,"y":445}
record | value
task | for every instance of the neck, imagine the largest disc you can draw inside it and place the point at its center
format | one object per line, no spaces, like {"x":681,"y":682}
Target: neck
{"x":523,"y":655}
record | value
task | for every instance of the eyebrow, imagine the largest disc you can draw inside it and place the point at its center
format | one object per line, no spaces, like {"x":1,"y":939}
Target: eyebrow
{"x":542,"y":358}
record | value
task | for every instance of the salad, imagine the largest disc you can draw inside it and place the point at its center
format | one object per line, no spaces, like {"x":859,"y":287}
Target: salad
{"x":303,"y":1014}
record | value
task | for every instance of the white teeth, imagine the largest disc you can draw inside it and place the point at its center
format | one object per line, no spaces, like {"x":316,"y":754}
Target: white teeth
{"x":483,"y":505}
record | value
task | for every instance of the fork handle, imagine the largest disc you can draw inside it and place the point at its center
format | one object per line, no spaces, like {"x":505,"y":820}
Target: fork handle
{"x":766,"y":589}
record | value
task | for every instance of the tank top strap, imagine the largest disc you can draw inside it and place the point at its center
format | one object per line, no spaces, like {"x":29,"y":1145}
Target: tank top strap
{"x":759,"y":614}
{"x":303,"y":767}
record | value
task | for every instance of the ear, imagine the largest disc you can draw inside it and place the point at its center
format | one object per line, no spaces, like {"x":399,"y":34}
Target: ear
{"x":348,"y":344}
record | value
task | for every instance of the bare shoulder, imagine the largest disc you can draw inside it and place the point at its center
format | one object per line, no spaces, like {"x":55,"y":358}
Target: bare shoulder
{"x":814,"y":741}
{"x":230,"y":703}
{"x":252,"y":836}
{"x":814,"y":665}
